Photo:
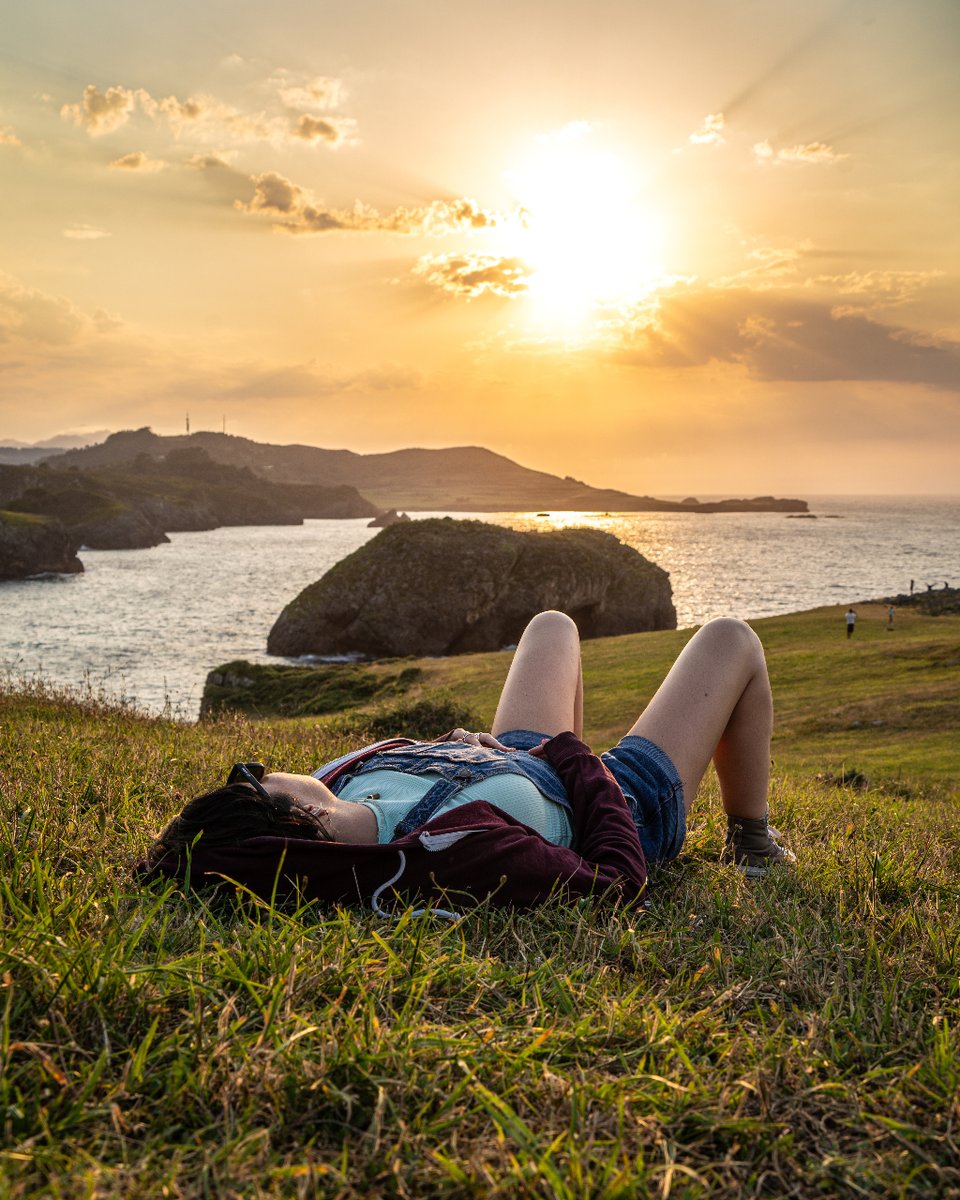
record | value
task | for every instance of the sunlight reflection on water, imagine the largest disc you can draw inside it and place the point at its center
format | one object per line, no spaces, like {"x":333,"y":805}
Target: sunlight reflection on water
{"x":149,"y":624}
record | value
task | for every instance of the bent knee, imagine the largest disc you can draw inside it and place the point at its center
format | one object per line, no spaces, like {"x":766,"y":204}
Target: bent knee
{"x":733,"y":635}
{"x":552,"y":624}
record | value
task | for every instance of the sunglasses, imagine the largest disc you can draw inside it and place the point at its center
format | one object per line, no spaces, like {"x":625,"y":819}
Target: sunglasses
{"x":252,"y":773}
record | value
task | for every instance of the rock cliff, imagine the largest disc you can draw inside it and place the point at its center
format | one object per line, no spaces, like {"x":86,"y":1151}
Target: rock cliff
{"x":31,"y":545}
{"x":442,"y":586}
{"x":138,"y":504}
{"x":389,"y":516}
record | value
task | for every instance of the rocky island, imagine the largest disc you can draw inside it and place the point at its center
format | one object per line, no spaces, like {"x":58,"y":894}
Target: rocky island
{"x":442,"y":586}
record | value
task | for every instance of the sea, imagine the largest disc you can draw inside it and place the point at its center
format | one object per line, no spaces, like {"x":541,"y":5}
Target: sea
{"x":144,"y":627}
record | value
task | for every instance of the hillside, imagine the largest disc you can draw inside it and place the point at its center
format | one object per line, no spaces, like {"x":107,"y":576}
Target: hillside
{"x":459,"y":479}
{"x":137,"y":503}
{"x":789,"y":1037}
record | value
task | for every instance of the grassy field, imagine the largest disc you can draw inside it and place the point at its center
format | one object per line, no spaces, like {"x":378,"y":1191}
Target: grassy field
{"x":797,"y":1037}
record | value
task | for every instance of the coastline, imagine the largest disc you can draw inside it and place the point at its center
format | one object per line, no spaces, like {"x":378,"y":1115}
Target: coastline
{"x":150,"y":624}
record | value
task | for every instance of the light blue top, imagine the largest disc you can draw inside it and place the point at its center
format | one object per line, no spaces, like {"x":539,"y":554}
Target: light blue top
{"x":390,"y":795}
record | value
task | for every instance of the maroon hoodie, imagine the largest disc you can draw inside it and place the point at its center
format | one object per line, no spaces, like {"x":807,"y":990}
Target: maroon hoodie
{"x":458,"y":858}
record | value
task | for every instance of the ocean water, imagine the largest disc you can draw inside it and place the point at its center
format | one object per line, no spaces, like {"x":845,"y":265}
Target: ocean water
{"x":147,"y":625}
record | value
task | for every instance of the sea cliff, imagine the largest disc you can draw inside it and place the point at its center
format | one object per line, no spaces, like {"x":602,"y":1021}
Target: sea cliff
{"x":442,"y":586}
{"x":138,"y":503}
{"x":35,"y":545}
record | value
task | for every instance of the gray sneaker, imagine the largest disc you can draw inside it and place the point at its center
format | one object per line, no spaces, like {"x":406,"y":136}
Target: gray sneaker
{"x":753,"y":848}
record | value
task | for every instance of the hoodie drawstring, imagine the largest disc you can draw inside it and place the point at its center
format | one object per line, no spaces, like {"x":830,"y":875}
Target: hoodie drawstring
{"x":445,"y":913}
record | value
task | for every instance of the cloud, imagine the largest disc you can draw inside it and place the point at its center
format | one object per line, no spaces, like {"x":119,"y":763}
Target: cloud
{"x":205,"y":118}
{"x":185,"y":112}
{"x":252,"y":381}
{"x":33,"y":316}
{"x":9,"y":138}
{"x":226,"y":183}
{"x":208,"y":118}
{"x":779,"y":335}
{"x":85,"y":233}
{"x":876,"y":289}
{"x":472,"y":275}
{"x":138,"y":161}
{"x":767,"y":267}
{"x":773,"y":267}
{"x":294,"y":210}
{"x":106,"y":322}
{"x":710,"y":132}
{"x":211,"y":162}
{"x":320,"y":92}
{"x":774,"y":261}
{"x":812,"y":152}
{"x":321,"y":129}
{"x":48,"y":323}
{"x":102,"y":112}
{"x":815,"y":153}
{"x":274,"y":194}
{"x":447,"y":216}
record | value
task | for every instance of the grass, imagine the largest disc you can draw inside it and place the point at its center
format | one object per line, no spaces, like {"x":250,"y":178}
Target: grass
{"x":886,"y":701}
{"x":15,"y":518}
{"x":795,"y":1038}
{"x":271,"y":690}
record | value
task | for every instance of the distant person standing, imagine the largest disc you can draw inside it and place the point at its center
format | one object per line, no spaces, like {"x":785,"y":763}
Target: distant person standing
{"x":850,"y":617}
{"x":890,"y":617}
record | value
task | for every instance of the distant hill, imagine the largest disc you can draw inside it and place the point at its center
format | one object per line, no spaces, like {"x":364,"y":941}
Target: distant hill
{"x":24,"y":453}
{"x":23,"y":456}
{"x":460,"y":479}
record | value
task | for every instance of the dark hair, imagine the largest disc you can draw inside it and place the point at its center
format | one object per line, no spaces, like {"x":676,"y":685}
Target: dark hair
{"x":228,"y":816}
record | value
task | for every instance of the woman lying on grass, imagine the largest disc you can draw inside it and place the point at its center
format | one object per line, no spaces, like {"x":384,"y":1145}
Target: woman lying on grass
{"x":519,"y":813}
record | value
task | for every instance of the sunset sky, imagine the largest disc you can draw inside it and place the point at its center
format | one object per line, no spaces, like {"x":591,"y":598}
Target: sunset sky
{"x":705,"y":246}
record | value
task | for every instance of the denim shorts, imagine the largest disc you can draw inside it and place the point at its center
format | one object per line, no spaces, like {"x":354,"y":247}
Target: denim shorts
{"x":650,"y":784}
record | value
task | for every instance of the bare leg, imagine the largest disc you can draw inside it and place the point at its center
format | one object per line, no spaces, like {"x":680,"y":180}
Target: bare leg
{"x":716,"y":703}
{"x":544,"y":687}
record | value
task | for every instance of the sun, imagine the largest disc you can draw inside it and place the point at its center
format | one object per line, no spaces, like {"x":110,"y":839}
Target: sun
{"x":590,"y":242}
